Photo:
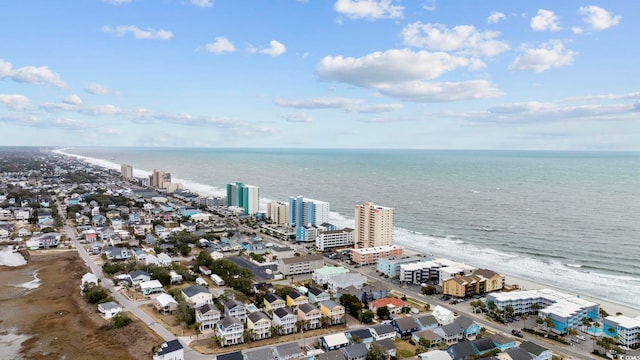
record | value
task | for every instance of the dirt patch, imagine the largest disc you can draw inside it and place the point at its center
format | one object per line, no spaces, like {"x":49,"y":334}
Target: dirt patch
{"x":57,"y":320}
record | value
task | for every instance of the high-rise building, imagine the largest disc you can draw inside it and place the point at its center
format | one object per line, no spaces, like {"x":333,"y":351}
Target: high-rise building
{"x":278,"y":212}
{"x":159,"y":179}
{"x":307,"y":212}
{"x":374,"y":225}
{"x":243,"y":196}
{"x":126,"y":171}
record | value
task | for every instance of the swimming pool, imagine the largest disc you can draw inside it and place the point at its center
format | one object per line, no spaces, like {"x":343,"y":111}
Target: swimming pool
{"x":595,"y":331}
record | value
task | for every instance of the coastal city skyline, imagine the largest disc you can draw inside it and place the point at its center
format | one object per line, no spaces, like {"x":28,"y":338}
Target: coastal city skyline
{"x":365,"y":74}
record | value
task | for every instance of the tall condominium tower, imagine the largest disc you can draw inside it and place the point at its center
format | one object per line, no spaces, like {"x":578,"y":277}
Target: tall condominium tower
{"x":307,"y":212}
{"x":278,"y":212}
{"x":126,"y":171}
{"x":159,"y":179}
{"x":243,"y":196}
{"x":374,"y":225}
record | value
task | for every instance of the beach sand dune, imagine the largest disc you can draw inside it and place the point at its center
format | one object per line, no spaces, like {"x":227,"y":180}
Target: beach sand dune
{"x":55,"y":322}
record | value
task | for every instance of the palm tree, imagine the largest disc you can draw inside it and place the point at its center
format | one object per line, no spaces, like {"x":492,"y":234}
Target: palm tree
{"x":524,"y":318}
{"x":549,"y":323}
{"x":535,"y":307}
{"x":508,"y":311}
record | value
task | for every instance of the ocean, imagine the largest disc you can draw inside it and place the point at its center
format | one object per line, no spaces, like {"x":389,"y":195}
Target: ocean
{"x":567,"y":219}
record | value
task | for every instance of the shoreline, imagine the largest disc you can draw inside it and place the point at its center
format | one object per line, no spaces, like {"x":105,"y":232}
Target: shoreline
{"x":609,"y":305}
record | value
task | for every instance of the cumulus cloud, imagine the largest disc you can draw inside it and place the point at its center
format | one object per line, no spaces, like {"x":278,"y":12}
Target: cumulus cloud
{"x":148,"y":34}
{"x":368,"y":9}
{"x":546,"y":20}
{"x":346,"y":104}
{"x":275,"y":48}
{"x":422,"y":91}
{"x":549,"y":55}
{"x":202,"y":3}
{"x":72,"y":100}
{"x":221,"y":45}
{"x":462,"y":38}
{"x":298,"y":117}
{"x":97,"y":89}
{"x":495,"y":17}
{"x":30,"y":75}
{"x":397,"y":65}
{"x":598,"y":18}
{"x":577,"y":30}
{"x":15,"y":102}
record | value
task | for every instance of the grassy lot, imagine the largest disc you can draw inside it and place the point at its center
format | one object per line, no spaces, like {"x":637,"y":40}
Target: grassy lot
{"x":167,"y":321}
{"x":404,"y":349}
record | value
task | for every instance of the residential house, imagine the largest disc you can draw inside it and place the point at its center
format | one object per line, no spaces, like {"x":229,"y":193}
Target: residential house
{"x":140,"y":255}
{"x":116,"y":253}
{"x":139,"y":276}
{"x":197,"y":295}
{"x":389,"y":346}
{"x":151,"y":287}
{"x":87,"y":280}
{"x":288,"y":351}
{"x":310,"y":315}
{"x":259,"y":324}
{"x":230,"y":331}
{"x":435,"y":355}
{"x":332,"y":310}
{"x":426,"y":322}
{"x":273,"y":302}
{"x":317,"y":295}
{"x":375,"y":291}
{"x":538,"y":352}
{"x":207,"y":316}
{"x":394,"y":305}
{"x":295,"y":299}
{"x":469,"y":327}
{"x":360,"y":336}
{"x":451,"y":333}
{"x":502,"y":343}
{"x":519,"y":354}
{"x":259,"y":354}
{"x":462,"y":351}
{"x":334,"y":341}
{"x":355,"y":352}
{"x":174,"y":277}
{"x":165,"y":304}
{"x":171,"y":350}
{"x":444,"y":316}
{"x":405,"y":326}
{"x":331,"y":355}
{"x":90,"y":236}
{"x":236,"y":309}
{"x":204,"y":270}
{"x":431,"y":336}
{"x":284,"y":320}
{"x":483,"y":346}
{"x":188,"y":226}
{"x":383,"y":331}
{"x":109,"y":309}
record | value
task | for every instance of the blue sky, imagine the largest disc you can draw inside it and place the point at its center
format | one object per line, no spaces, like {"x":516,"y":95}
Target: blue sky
{"x":452,"y":74}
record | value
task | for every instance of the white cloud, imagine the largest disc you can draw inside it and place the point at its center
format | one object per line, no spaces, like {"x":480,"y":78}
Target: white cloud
{"x":422,"y":91}
{"x":495,"y":17}
{"x":462,"y":38}
{"x":15,"y":102}
{"x":368,"y":9}
{"x":97,"y":89}
{"x":202,"y":3}
{"x":577,"y":30}
{"x":275,"y":48}
{"x":546,"y":20}
{"x":538,"y":111}
{"x":30,"y":74}
{"x":221,"y":45}
{"x":117,"y":2}
{"x":72,"y":100}
{"x":397,"y":65}
{"x":549,"y":55}
{"x":346,"y":104}
{"x":628,"y":96}
{"x":429,"y":5}
{"x":298,"y":117}
{"x":598,"y":18}
{"x":138,"y":33}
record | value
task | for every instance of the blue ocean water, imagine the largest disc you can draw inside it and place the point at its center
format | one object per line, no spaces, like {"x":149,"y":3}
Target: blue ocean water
{"x":567,"y":219}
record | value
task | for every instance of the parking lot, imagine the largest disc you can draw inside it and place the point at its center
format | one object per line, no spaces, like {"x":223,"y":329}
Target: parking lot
{"x":258,"y":271}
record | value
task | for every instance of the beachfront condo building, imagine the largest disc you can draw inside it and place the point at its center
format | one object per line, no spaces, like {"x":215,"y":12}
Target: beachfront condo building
{"x":566,"y":310}
{"x":332,"y":239}
{"x":370,"y":255}
{"x":126,"y":171}
{"x":243,"y":196}
{"x":278,"y":212}
{"x":391,"y":266}
{"x":159,"y":179}
{"x":434,"y":271}
{"x":307,"y":212}
{"x":374,"y":226}
{"x":626,"y":329}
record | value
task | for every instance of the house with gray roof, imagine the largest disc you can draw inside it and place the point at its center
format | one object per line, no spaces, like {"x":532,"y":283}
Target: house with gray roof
{"x":461,"y":351}
{"x":383,"y":331}
{"x":519,"y":354}
{"x":355,"y":352}
{"x":426,"y":322}
{"x":331,"y":355}
{"x":236,"y":309}
{"x":538,"y":352}
{"x":288,"y":351}
{"x":451,"y":333}
{"x":170,"y":350}
{"x":260,"y":354}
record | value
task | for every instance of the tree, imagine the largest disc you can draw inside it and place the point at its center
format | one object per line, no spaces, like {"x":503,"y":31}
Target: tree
{"x":120,"y":321}
{"x":376,"y":353}
{"x":366,"y":317}
{"x":429,"y":290}
{"x":425,"y":343}
{"x":95,"y":294}
{"x":508,"y":311}
{"x":352,"y":304}
{"x":383,"y":313}
{"x":549,"y":324}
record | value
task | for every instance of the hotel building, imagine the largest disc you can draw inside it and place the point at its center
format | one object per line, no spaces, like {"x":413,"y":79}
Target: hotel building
{"x":159,"y":179}
{"x":374,"y":226}
{"x":435,"y":271}
{"x":300,"y":264}
{"x":566,"y":310}
{"x":126,"y":171}
{"x":304,"y":214}
{"x":627,"y":329}
{"x":243,"y":196}
{"x":370,"y":255}
{"x":334,"y":239}
{"x":391,"y":266}
{"x":278,"y":212}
